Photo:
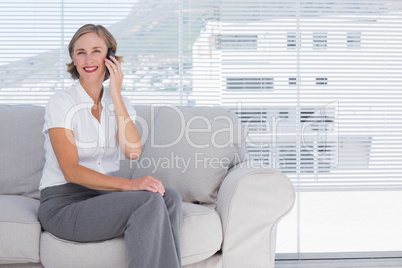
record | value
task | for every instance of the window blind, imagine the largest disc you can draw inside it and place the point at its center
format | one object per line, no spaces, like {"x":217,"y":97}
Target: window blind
{"x":317,"y":83}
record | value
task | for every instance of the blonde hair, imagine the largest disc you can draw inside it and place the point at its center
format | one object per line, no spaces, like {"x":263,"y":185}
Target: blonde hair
{"x":103,"y":33}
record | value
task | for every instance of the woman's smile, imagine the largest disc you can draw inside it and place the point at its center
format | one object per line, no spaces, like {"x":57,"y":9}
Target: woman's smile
{"x":90,"y":69}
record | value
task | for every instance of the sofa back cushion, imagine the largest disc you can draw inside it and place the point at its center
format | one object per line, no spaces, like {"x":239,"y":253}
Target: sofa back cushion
{"x":143,"y":124}
{"x":22,"y":154}
{"x":146,"y":118}
{"x":190,"y":150}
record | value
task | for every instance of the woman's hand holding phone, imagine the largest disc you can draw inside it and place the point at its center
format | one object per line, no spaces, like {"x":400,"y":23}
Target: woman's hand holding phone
{"x":116,"y":75}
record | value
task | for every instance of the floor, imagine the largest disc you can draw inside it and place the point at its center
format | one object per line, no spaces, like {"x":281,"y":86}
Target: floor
{"x":344,"y":263}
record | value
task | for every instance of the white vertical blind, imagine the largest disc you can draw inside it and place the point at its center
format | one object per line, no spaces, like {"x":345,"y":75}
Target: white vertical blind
{"x":318,"y":83}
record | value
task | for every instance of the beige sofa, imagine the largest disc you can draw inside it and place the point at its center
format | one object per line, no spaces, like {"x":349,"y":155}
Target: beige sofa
{"x":231,"y":206}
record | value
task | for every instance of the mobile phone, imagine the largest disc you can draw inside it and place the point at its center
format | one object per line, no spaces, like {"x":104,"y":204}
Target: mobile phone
{"x":110,"y":53}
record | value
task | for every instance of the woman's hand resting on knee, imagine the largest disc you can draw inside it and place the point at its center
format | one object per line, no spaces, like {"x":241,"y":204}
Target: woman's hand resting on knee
{"x":147,"y":183}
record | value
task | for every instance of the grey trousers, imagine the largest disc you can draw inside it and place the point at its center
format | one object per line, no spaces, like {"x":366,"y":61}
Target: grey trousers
{"x":150,"y":222}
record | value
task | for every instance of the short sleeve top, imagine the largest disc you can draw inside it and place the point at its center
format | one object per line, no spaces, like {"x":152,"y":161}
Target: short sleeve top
{"x":97,"y":144}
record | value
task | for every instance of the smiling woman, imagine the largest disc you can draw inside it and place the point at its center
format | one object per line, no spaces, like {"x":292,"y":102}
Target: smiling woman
{"x":81,"y":198}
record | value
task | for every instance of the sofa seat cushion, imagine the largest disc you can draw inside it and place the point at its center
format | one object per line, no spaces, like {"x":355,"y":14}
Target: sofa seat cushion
{"x":20,"y":229}
{"x":200,"y":238}
{"x":57,"y":252}
{"x":201,"y":233}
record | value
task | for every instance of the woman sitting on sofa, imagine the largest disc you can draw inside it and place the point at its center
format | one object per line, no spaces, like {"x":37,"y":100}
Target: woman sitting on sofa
{"x":85,"y":129}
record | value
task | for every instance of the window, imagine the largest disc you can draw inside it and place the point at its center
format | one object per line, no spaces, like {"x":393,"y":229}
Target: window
{"x":292,"y":81}
{"x":353,"y":40}
{"x":320,"y":40}
{"x":242,"y":42}
{"x":249,"y":84}
{"x":281,"y":151}
{"x":291,"y":40}
{"x":321,"y":81}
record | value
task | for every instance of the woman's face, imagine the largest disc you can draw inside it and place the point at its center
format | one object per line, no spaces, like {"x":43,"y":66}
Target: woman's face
{"x":89,"y":57}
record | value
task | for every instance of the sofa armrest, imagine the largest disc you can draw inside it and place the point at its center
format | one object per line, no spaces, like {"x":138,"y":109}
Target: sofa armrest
{"x":251,"y":202}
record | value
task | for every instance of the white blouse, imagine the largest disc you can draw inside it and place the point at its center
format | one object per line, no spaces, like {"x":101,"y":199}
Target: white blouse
{"x":98,"y":148}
